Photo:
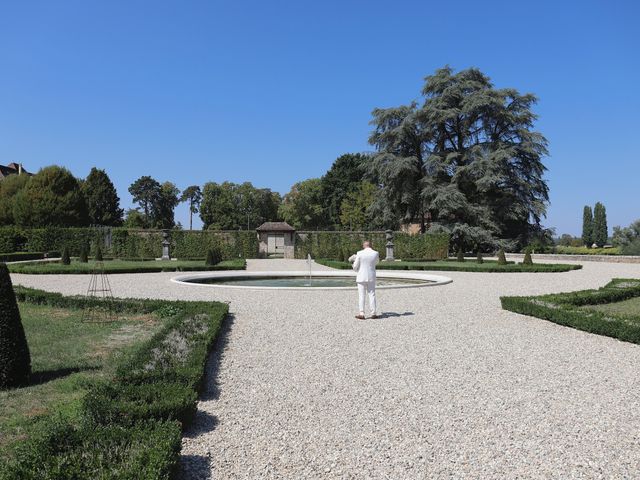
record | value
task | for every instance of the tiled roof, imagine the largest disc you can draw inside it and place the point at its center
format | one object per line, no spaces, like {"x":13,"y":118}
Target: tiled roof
{"x":275,"y":227}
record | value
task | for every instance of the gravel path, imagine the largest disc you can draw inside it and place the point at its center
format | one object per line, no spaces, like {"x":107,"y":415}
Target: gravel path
{"x":446,"y":385}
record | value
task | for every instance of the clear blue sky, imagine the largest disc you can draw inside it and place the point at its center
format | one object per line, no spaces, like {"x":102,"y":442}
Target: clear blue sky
{"x":272,"y":92}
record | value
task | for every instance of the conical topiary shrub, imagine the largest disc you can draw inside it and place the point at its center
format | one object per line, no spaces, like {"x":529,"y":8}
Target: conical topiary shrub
{"x":15,"y":361}
{"x":84,"y":254}
{"x":502,"y":258}
{"x":527,"y":258}
{"x":66,"y":260}
{"x":99,"y":254}
{"x":480,"y":259}
{"x":214,"y":256}
{"x":460,"y":255}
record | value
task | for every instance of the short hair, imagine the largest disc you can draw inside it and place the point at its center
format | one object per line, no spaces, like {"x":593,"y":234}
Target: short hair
{"x":366,"y":243}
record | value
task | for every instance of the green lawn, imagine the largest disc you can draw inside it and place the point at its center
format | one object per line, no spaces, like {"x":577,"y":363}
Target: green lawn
{"x":126,"y":266}
{"x":613,"y":310}
{"x":469,"y":265}
{"x":66,"y":355}
{"x":625,"y":307}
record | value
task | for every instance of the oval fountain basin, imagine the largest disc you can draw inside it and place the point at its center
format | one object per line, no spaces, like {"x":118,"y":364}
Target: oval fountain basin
{"x":330,"y":280}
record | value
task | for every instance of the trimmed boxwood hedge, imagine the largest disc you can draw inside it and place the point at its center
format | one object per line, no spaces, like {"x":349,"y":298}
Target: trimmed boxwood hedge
{"x":64,"y":451}
{"x":26,"y":256}
{"x":564,"y":309}
{"x":488,"y":266}
{"x":138,"y":267}
{"x":130,"y":426}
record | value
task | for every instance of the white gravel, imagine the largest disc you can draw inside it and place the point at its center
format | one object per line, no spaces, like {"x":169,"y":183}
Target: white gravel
{"x":447,"y":385}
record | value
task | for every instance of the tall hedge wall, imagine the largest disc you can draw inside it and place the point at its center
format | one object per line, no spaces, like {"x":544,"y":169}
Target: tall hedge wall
{"x":233,"y":244}
{"x":341,"y":245}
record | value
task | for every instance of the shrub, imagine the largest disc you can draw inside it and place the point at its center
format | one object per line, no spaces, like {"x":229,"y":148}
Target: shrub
{"x":214,"y":255}
{"x":527,"y":258}
{"x":63,"y":451}
{"x":502,"y":258}
{"x":565,"y":309}
{"x":84,"y":255}
{"x":65,"y":260}
{"x":632,"y":248}
{"x":490,"y":266}
{"x":562,"y":250}
{"x":26,"y":256}
{"x":480,"y":259}
{"x":126,"y":404}
{"x":99,"y":257}
{"x":460,"y":255}
{"x":15,"y":360}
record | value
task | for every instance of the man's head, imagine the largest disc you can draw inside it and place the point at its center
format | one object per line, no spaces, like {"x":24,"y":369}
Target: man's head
{"x":366,"y":244}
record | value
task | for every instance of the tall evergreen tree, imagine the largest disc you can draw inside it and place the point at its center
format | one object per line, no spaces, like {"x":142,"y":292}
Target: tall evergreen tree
{"x":468,"y":157}
{"x":193,"y":195}
{"x":103,"y":203}
{"x":600,"y":229}
{"x":52,"y":197}
{"x":15,"y":360}
{"x":587,"y":226}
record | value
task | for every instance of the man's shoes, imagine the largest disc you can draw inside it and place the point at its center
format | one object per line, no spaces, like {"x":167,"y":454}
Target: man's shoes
{"x":374,"y":316}
{"x":360,"y":317}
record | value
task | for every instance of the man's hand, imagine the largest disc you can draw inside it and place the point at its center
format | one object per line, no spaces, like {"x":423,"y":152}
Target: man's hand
{"x":352,"y":258}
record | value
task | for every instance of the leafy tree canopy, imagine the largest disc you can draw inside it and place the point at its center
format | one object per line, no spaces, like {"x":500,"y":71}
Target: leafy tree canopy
{"x":354,"y":211}
{"x":232,"y":206}
{"x":52,"y":197}
{"x":146,"y":193}
{"x":342,"y":178}
{"x":193,"y":195}
{"x":303,"y":206}
{"x":467,"y":158}
{"x":135,"y":219}
{"x":9,"y":187}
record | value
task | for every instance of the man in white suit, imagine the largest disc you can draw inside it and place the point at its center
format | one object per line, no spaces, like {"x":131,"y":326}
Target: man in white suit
{"x":364,"y":262}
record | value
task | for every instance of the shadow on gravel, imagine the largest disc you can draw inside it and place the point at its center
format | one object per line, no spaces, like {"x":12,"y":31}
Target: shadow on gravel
{"x":211,"y":389}
{"x":198,"y":466}
{"x":395,"y":314}
{"x":195,"y":467}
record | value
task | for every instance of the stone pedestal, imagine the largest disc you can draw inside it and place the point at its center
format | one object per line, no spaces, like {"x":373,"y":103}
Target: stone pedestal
{"x":389,"y":245}
{"x":166,"y":244}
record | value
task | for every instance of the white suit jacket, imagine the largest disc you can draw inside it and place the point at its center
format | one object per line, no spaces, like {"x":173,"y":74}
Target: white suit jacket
{"x":365,"y":264}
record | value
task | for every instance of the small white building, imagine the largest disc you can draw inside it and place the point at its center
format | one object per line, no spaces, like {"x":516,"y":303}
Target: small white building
{"x":276,"y":239}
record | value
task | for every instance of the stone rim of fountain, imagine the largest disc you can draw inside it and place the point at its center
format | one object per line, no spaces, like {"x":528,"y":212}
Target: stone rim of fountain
{"x":434,"y":280}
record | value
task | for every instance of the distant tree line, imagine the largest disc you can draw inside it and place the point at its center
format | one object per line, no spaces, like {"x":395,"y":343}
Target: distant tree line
{"x":465,"y":160}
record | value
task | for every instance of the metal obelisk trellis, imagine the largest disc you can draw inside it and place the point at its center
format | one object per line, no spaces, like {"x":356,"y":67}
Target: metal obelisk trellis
{"x":99,"y":308}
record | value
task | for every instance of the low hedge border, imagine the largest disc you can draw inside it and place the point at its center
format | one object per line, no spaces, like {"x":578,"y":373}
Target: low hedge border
{"x":467,"y":266}
{"x":26,"y":256}
{"x":144,"y":267}
{"x":564,"y":309}
{"x":130,"y":426}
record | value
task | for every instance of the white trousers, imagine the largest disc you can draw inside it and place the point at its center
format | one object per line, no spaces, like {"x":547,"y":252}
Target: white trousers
{"x":367,"y":288}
